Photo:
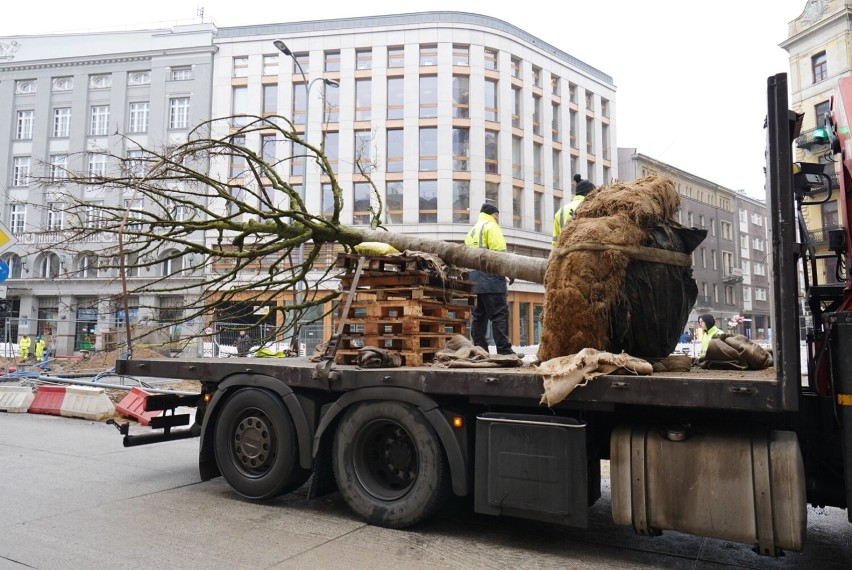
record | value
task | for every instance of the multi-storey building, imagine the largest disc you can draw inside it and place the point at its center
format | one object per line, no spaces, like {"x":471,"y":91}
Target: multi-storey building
{"x":68,"y":100}
{"x":449,"y":109}
{"x":818,"y":44}
{"x":729,"y":266}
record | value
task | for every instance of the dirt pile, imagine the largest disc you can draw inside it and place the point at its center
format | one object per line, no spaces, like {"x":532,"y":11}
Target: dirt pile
{"x":620,"y":277}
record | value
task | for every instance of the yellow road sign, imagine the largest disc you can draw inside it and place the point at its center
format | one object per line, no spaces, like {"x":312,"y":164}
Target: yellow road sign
{"x":7,"y":238}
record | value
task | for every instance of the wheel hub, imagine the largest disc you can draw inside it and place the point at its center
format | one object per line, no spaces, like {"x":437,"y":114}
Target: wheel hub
{"x":252,"y":442}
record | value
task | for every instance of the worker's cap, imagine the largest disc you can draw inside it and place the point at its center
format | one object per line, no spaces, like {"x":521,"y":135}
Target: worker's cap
{"x":577,"y":177}
{"x":708,"y":320}
{"x":583,"y":187}
{"x":489,"y":209}
{"x":38,"y":338}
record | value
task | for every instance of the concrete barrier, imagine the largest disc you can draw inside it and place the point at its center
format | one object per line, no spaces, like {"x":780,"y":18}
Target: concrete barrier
{"x":16,"y":398}
{"x":48,"y":400}
{"x":87,"y":402}
{"x":133,"y":406}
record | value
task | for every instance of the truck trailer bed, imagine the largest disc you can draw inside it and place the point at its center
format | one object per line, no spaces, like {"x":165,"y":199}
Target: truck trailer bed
{"x":730,"y":390}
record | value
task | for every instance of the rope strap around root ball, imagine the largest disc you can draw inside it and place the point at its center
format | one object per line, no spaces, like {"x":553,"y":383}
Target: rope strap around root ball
{"x":640,"y":252}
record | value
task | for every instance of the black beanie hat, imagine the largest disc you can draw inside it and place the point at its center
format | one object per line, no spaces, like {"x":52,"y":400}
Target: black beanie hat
{"x":577,"y":177}
{"x":489,"y":209}
{"x":708,"y":320}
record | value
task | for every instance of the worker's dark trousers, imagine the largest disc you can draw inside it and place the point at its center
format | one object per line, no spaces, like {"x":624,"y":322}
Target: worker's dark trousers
{"x":493,"y":307}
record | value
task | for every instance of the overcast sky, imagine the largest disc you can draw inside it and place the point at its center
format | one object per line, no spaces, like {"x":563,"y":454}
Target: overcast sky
{"x":690,"y":76}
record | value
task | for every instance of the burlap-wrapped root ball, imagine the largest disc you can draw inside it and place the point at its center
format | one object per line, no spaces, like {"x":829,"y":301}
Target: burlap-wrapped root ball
{"x":620,"y":276}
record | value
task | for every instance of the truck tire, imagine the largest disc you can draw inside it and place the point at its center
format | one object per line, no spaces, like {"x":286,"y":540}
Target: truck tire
{"x":389,"y":464}
{"x":256,"y":447}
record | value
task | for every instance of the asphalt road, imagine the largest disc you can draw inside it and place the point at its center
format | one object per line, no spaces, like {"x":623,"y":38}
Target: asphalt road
{"x":73,"y":497}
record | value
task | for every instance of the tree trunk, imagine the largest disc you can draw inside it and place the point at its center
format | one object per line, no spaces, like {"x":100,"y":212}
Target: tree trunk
{"x":499,"y":263}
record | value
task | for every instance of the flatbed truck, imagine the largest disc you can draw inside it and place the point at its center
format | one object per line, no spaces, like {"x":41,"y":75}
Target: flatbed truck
{"x":729,"y":455}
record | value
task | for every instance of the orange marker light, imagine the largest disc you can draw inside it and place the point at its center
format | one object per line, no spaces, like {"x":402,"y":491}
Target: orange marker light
{"x":458,"y":421}
{"x":207,"y":397}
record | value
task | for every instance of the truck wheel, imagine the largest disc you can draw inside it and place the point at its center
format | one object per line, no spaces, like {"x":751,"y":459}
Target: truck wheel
{"x":256,"y":448}
{"x":389,"y":464}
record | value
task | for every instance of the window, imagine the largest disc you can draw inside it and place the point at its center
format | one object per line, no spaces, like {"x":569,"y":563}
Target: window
{"x":49,"y":266}
{"x":572,"y":129}
{"x":605,"y":142}
{"x":58,"y":166}
{"x":759,"y":294}
{"x":395,"y":150}
{"x":332,"y":61}
{"x":715,"y":293}
{"x":492,"y":193}
{"x":363,"y":158}
{"x":361,"y":203}
{"x":517,"y":157}
{"x":179,"y":113}
{"x":461,"y":55}
{"x":363,"y":99}
{"x":239,"y":106}
{"x":821,"y":112}
{"x":757,"y":244}
{"x":555,"y":133}
{"x":557,"y":170}
{"x":491,"y":152}
{"x":327,"y":201}
{"x":331,"y":113}
{"x":301,"y":64}
{"x":743,"y":216}
{"x":713,"y":258}
{"x":99,"y":124}
{"x":268,"y":149}
{"x":428,"y":149}
{"x":181,"y":73}
{"x":554,"y":84}
{"x":726,"y":229}
{"x":517,"y":107}
{"x":819,"y":64}
{"x":703,"y":258}
{"x":604,"y":107}
{"x":572,"y":93}
{"x":759,"y":268}
{"x":537,"y":174}
{"x":61,"y":122}
{"x":461,"y":96}
{"x":729,"y":295}
{"x":428,"y":55}
{"x":21,"y":171}
{"x":536,"y":75}
{"x":363,"y":58}
{"x":332,"y":149}
{"x":138,"y":117}
{"x":396,"y":100}
{"x":829,"y":215}
{"x":96,"y":165}
{"x":428,"y":96}
{"x":428,"y":201}
{"x":299,"y":104}
{"x":461,"y":202}
{"x":396,"y":57}
{"x":25,"y":86}
{"x":94,"y":214}
{"x":393,"y":203}
{"x":538,"y":214}
{"x":24,"y":127}
{"x":240,"y":66}
{"x":756,"y":219}
{"x":100,"y":81}
{"x":727,"y":262}
{"x":517,"y":207}
{"x":62,"y":84}
{"x":461,"y":150}
{"x":516,"y":67}
{"x":746,"y":294}
{"x":536,"y":118}
{"x":590,"y":101}
{"x":17,"y":218}
{"x":491,"y":59}
{"x":270,"y":99}
{"x":55,"y":217}
{"x":238,"y":160}
{"x":701,"y":220}
{"x":297,"y":161}
{"x":590,"y":135}
{"x":490,"y":100}
{"x":171,"y":263}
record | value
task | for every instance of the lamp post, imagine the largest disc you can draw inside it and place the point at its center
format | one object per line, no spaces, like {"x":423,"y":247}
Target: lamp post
{"x":282,"y":47}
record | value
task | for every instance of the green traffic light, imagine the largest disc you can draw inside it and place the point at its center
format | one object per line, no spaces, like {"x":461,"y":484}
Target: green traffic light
{"x":821,"y":135}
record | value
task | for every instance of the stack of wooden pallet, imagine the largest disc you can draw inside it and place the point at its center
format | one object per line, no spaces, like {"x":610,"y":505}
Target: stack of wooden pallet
{"x":402,"y":304}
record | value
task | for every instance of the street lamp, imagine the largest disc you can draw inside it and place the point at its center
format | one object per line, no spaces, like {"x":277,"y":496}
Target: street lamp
{"x":282,"y":47}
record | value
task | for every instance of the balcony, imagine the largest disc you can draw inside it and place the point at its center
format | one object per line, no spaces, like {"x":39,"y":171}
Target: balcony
{"x":809,"y":142}
{"x":732,"y":276}
{"x":820,"y":236}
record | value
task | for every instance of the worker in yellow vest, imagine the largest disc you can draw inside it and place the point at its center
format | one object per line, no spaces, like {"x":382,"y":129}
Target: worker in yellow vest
{"x":24,"y":346}
{"x":39,"y":348}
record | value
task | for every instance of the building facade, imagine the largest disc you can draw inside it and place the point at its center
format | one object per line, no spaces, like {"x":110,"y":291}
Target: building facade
{"x":447,"y":110}
{"x":730,"y":265}
{"x":818,"y":43}
{"x":69,"y":100}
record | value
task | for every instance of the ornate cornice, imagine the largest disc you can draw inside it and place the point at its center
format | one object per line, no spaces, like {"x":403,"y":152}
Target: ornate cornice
{"x":71,"y":63}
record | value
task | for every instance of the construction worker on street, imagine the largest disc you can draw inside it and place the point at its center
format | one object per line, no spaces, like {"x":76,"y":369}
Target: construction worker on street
{"x":566,"y":212}
{"x":24,"y":346}
{"x":491,"y":290}
{"x":39,"y":349}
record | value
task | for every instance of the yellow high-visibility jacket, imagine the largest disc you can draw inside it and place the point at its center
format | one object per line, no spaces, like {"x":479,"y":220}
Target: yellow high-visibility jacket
{"x":564,"y":214}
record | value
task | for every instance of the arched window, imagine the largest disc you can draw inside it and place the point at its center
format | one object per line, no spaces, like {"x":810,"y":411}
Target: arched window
{"x":171,"y":264}
{"x":15,"y":265}
{"x":48,"y":265}
{"x":88,"y":266}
